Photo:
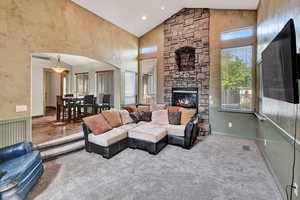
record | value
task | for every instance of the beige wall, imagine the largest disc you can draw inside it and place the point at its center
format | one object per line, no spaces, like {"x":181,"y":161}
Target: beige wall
{"x":220,"y":21}
{"x":156,"y":37}
{"x":58,"y":26}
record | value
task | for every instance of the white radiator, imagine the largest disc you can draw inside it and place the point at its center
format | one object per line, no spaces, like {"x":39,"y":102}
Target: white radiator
{"x":13,"y":131}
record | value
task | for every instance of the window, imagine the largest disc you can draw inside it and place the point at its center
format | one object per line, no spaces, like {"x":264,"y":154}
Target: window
{"x":105,"y":86}
{"x":237,"y":34}
{"x":130,"y":88}
{"x":236,"y":78}
{"x":82,"y":84}
{"x":149,"y":49}
{"x":147,"y":77}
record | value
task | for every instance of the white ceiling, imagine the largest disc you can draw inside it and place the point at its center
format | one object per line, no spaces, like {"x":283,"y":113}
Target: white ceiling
{"x":127,"y":14}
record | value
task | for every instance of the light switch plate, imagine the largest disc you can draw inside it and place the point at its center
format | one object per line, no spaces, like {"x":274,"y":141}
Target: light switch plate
{"x":21,"y":108}
{"x":230,"y":124}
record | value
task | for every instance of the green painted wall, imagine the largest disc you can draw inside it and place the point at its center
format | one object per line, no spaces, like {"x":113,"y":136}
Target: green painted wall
{"x":243,"y":124}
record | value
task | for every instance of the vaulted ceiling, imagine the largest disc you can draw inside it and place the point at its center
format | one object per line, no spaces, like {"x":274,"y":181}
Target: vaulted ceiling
{"x":140,"y":16}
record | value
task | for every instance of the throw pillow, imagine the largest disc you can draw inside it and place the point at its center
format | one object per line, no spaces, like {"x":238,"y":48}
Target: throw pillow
{"x":97,"y":124}
{"x":174,"y":108}
{"x":113,"y":117}
{"x":186,"y":115}
{"x":126,"y":119}
{"x":160,"y":117}
{"x":175,"y":118}
{"x":143,"y":108}
{"x":146,"y":116}
{"x":136,"y":117}
{"x":155,"y":107}
{"x":128,"y":108}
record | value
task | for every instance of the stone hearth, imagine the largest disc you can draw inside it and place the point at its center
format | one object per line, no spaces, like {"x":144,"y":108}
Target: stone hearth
{"x":188,"y":28}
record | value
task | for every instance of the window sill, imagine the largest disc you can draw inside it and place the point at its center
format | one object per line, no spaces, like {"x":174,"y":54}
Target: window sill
{"x":235,"y":111}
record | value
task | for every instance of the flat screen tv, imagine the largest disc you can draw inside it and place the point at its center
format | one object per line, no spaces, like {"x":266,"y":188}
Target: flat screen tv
{"x":279,"y":66}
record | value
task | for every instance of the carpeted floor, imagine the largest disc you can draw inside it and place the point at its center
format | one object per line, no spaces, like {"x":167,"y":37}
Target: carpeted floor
{"x":217,"y":168}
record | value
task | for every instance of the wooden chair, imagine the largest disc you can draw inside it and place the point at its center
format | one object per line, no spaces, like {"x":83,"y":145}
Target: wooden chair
{"x":89,"y":101}
{"x":61,"y":109}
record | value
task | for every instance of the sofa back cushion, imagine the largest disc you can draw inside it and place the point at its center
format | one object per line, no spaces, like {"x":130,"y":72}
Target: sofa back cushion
{"x":174,"y":118}
{"x":125,"y":117}
{"x":113,"y":117}
{"x":186,"y":115}
{"x":155,"y":107}
{"x":97,"y":124}
{"x":174,"y":108}
{"x":14,"y":151}
{"x":143,"y":108}
{"x":160,"y":117}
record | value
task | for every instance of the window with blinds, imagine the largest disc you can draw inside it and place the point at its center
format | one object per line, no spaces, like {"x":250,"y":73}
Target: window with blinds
{"x":130,"y":88}
{"x":82,"y":84}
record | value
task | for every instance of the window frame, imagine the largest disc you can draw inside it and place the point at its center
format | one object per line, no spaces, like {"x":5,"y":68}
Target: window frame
{"x":151,"y":49}
{"x":236,"y":30}
{"x":236,"y":43}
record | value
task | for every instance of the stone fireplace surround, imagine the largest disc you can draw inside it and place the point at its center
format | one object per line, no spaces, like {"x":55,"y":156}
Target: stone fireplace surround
{"x":188,"y":28}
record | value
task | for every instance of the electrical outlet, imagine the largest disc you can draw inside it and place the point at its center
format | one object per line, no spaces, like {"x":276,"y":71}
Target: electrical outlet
{"x":21,"y":108}
{"x":296,"y":189}
{"x":230,"y":124}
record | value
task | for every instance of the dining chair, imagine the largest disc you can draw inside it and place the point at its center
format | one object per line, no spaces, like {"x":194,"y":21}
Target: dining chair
{"x":89,"y":101}
{"x":61,"y":109}
{"x":69,"y":95}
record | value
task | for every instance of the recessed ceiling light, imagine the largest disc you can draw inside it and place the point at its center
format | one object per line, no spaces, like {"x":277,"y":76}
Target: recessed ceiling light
{"x":162,"y":7}
{"x":144,"y":17}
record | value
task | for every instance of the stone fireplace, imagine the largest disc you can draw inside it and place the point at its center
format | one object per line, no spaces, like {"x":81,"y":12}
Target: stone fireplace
{"x":186,"y":61}
{"x":185,"y":97}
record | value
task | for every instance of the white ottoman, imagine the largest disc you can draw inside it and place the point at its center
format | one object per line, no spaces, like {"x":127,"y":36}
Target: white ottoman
{"x":146,"y":137}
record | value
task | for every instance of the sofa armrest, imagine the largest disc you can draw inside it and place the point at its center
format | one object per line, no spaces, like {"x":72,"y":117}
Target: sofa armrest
{"x":14,"y":151}
{"x":8,"y":186}
{"x":191,"y":133}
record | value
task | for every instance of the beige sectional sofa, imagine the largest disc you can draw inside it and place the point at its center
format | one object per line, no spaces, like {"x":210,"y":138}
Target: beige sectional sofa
{"x":120,"y":131}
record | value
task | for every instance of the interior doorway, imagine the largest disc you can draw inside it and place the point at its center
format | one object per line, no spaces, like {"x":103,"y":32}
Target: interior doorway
{"x":71,"y":80}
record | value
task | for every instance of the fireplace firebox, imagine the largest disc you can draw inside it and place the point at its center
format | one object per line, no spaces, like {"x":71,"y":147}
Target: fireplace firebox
{"x":185,"y":97}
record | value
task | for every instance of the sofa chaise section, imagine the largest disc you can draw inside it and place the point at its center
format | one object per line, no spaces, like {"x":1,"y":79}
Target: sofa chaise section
{"x":107,"y":144}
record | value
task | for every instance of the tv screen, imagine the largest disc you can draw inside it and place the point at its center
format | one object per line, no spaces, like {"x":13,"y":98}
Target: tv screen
{"x":279,"y":66}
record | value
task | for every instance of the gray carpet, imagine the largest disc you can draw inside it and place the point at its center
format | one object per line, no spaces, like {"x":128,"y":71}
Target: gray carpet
{"x":218,"y":168}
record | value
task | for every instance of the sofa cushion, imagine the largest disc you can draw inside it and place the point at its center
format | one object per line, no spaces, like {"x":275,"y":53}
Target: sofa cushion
{"x":147,"y":133}
{"x":146,"y":116}
{"x":136,"y":117}
{"x":97,"y":124}
{"x":125,"y":117}
{"x":109,"y":137}
{"x":130,"y":109}
{"x":174,"y":108}
{"x":177,"y":130}
{"x":160,"y":117}
{"x":174,"y":118}
{"x":113,"y":117}
{"x":155,"y":107}
{"x":143,"y":108}
{"x":186,"y":115}
{"x":128,"y":126}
